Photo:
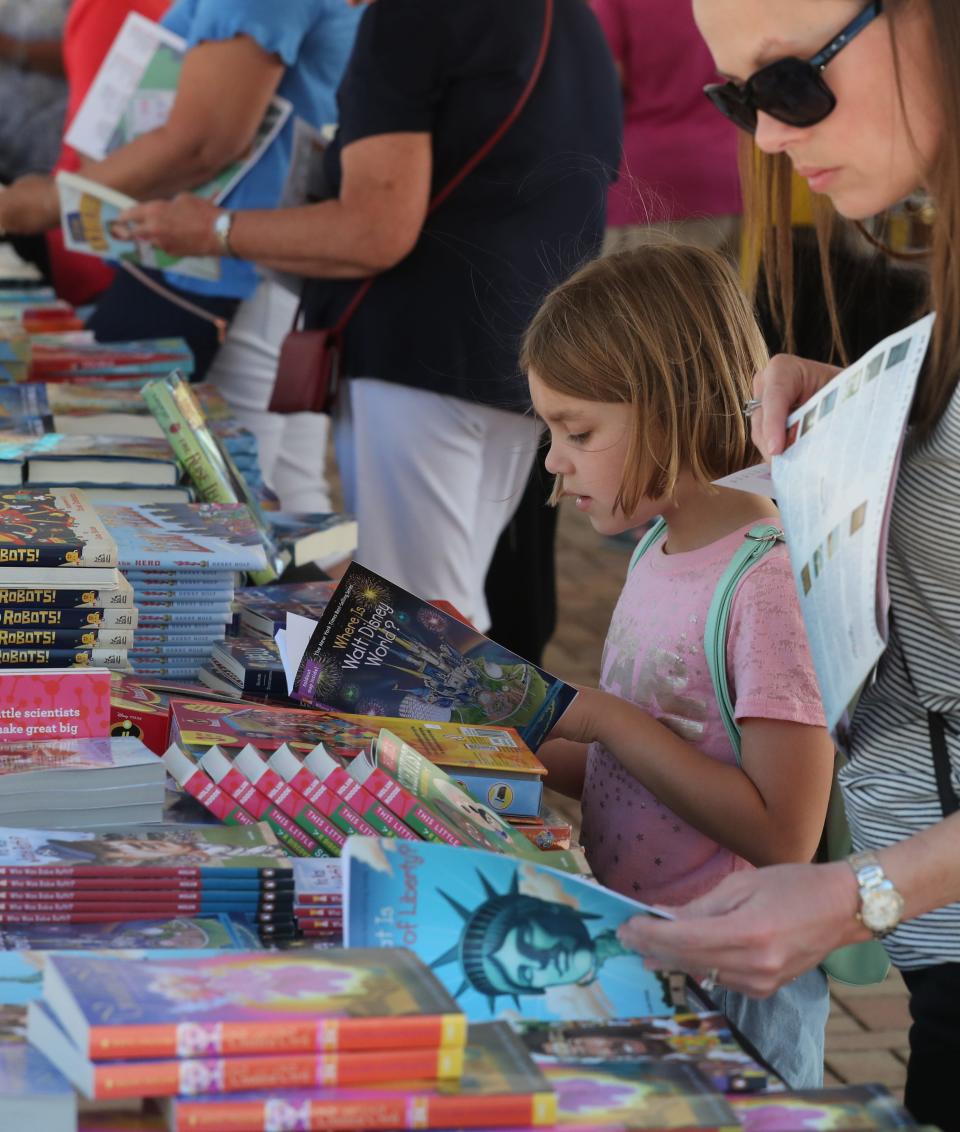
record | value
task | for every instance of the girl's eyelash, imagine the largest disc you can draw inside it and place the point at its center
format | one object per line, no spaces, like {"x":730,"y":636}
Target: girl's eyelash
{"x":579,"y":437}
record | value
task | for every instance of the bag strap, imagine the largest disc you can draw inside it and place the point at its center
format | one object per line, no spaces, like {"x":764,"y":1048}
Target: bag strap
{"x":949,"y":802}
{"x":461,"y":175}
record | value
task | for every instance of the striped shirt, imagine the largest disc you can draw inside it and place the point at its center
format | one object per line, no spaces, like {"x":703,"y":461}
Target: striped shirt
{"x":889,"y":784}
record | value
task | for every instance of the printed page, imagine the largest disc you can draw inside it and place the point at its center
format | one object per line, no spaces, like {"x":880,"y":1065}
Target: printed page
{"x":834,"y":486}
{"x":134,"y":92}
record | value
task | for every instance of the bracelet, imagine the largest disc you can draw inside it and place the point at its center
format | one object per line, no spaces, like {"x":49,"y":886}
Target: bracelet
{"x":221,"y":230}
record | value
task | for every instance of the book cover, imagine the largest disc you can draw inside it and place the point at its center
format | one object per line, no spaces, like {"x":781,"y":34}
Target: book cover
{"x":221,"y":536}
{"x":481,"y":826}
{"x":206,"y":462}
{"x":246,"y":1003}
{"x":500,"y":1088}
{"x":846,"y":1106}
{"x":263,"y":609}
{"x":508,"y":937}
{"x":307,"y":537}
{"x":157,"y":850}
{"x":252,"y":663}
{"x":379,"y":650}
{"x":193,"y":1076}
{"x":54,"y":705}
{"x":52,"y":528}
{"x":704,"y":1041}
{"x":64,"y":764}
{"x":90,"y":222}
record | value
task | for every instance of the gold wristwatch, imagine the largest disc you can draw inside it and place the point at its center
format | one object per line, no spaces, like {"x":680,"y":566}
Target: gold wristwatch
{"x":221,"y":230}
{"x":881,"y":906}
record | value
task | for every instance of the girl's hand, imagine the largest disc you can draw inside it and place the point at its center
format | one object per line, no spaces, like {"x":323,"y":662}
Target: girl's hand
{"x":784,"y":384}
{"x":578,"y":722}
{"x":182,"y":226}
{"x":757,"y":929}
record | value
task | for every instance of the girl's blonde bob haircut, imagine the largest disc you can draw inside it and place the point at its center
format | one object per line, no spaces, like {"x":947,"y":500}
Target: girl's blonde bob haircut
{"x":668,"y":330}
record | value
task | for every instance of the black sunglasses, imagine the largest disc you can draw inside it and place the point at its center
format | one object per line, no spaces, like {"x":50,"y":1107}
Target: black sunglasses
{"x":791,"y":90}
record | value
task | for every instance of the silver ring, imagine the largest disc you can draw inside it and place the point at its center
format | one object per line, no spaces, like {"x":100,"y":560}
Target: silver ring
{"x":709,"y":981}
{"x":751,"y":407}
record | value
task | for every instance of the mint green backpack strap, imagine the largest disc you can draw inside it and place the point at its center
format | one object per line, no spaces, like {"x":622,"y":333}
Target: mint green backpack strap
{"x":757,"y":542}
{"x":653,"y":535}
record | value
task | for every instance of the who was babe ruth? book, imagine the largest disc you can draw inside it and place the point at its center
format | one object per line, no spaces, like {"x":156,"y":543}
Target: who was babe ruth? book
{"x":500,"y":1087}
{"x":241,"y":1003}
{"x":380,"y":650}
{"x":505,"y":935}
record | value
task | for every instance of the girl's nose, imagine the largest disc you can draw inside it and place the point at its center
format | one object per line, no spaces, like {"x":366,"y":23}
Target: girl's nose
{"x":555,"y":464}
{"x":774,"y":136}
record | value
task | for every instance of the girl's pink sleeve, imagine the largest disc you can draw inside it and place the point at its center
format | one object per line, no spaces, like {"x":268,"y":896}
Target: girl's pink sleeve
{"x":769,"y":666}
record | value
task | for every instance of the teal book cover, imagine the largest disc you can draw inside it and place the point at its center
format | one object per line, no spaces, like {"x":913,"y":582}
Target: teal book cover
{"x":509,"y":938}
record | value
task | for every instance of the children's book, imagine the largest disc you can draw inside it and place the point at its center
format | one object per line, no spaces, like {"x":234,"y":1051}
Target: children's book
{"x":847,"y":1106}
{"x":242,"y":1003}
{"x":33,"y":1094}
{"x":379,"y":650}
{"x":221,"y":536}
{"x":263,"y":609}
{"x":70,"y":617}
{"x":56,"y":528}
{"x":112,"y":460}
{"x":64,"y":596}
{"x":60,"y":766}
{"x":201,"y":1076}
{"x":90,"y":221}
{"x":500,"y":1088}
{"x":83,"y":657}
{"x":701,"y":1040}
{"x":508,"y":937}
{"x":252,"y":664}
{"x":160,"y":850}
{"x":134,"y":92}
{"x":42,"y":705}
{"x":306,"y":537}
{"x":88,"y":636}
{"x":24,"y":409}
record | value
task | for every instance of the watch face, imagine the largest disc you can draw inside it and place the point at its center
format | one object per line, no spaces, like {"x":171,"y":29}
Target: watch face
{"x":881,"y":909}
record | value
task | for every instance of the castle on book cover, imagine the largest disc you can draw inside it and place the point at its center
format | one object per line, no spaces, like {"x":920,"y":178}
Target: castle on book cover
{"x":378,"y":650}
{"x":509,"y":938}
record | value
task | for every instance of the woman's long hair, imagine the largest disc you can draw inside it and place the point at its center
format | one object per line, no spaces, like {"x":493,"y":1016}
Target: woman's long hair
{"x":767,"y":187}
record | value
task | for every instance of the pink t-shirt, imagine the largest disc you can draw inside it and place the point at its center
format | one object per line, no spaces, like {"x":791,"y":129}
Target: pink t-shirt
{"x":679,"y":153}
{"x":654,"y":657}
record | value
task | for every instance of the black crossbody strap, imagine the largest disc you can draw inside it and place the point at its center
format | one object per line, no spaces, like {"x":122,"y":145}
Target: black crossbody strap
{"x":949,"y":802}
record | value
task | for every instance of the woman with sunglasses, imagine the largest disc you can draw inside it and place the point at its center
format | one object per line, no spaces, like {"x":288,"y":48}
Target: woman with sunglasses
{"x":863,"y":102}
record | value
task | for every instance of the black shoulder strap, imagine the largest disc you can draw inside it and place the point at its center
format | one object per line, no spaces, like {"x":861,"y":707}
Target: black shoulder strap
{"x":949,"y":802}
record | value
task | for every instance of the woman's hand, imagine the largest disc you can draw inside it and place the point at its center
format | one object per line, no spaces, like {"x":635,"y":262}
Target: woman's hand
{"x":30,"y":205}
{"x":780,"y":388}
{"x":181,"y":227}
{"x":757,"y":929}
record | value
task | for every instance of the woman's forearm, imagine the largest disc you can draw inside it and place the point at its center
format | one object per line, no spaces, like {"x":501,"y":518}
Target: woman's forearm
{"x":926,"y":867}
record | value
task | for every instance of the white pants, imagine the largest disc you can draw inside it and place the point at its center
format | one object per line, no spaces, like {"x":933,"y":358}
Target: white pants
{"x":292,"y":447}
{"x":432,"y":480}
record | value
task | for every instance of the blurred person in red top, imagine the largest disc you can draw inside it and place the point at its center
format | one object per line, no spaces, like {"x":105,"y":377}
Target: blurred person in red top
{"x":91,"y":28}
{"x":679,"y":167}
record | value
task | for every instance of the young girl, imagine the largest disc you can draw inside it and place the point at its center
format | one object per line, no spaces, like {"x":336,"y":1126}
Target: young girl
{"x":640,"y":365}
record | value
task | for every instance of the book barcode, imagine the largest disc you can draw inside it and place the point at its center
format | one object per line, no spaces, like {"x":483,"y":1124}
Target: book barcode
{"x":495,"y":736}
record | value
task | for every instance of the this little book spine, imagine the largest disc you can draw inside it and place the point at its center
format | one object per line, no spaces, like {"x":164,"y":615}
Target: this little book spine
{"x":404,"y":804}
{"x":317,"y":794}
{"x":258,"y":805}
{"x":329,"y":778}
{"x":197,"y":784}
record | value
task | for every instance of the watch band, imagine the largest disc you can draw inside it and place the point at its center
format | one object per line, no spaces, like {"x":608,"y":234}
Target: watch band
{"x":881,"y":905}
{"x":221,"y":229}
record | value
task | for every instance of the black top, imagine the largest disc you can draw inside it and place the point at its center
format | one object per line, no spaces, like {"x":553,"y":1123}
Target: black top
{"x":450,"y":316}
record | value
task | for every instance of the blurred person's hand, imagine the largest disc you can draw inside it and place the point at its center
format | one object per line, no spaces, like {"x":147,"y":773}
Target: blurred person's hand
{"x":781,"y":387}
{"x":31,"y":204}
{"x":181,"y":227}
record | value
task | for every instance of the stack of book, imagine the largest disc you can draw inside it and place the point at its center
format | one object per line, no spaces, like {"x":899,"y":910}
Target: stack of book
{"x":182,"y":560}
{"x":365,"y":1038}
{"x":318,"y":901}
{"x":62,"y":784}
{"x":63,"y":602}
{"x":156,"y":872}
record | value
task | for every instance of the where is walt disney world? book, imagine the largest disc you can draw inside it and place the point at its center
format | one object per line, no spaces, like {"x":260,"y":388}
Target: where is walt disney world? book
{"x":507,"y":937}
{"x":500,"y":1088}
{"x":379,"y":650}
{"x":251,"y":1003}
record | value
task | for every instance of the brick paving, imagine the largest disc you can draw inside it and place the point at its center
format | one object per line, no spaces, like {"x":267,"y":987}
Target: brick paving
{"x":867,"y":1031}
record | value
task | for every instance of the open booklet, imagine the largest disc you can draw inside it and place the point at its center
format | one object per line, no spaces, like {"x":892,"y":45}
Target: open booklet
{"x":134,"y":91}
{"x":834,"y":486}
{"x":89,"y":215}
{"x":379,"y":650}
